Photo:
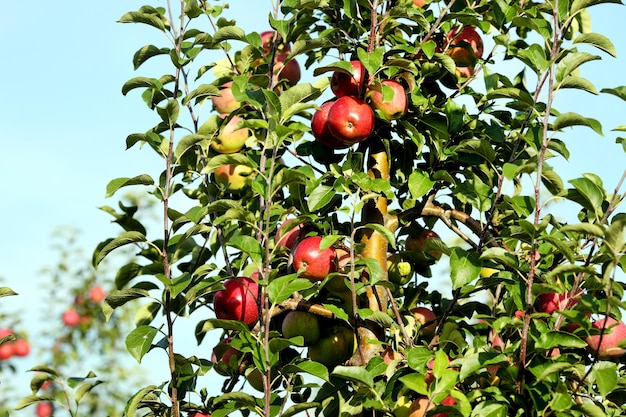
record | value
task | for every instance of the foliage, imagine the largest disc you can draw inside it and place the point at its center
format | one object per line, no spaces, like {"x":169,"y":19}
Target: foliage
{"x":470,"y":158}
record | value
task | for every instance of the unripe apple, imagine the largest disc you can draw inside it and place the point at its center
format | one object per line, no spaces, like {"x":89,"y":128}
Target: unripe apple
{"x":426,"y":318}
{"x":97,"y":294}
{"x":313,"y":262}
{"x":334,"y":347}
{"x":343,"y":84}
{"x":238,"y":301}
{"x":71,"y":317}
{"x":398,"y":270}
{"x":21,"y":347}
{"x":350,"y":120}
{"x":225,"y":103}
{"x":44,"y":409}
{"x":301,"y":323}
{"x":390,"y":108}
{"x":233,"y":177}
{"x":231,"y":138}
{"x":614,"y":332}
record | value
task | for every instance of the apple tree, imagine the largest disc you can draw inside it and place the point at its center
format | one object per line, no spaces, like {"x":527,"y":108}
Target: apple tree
{"x":383,"y":166}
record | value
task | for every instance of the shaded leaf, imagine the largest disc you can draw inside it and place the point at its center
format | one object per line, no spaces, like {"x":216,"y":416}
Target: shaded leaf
{"x":118,"y":183}
{"x":574,"y":119}
{"x":599,"y":41}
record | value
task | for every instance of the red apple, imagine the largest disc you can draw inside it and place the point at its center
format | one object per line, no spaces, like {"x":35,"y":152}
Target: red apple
{"x":288,"y":70}
{"x":334,"y":347}
{"x":198,"y":414}
{"x":288,"y":239}
{"x":426,"y":318}
{"x":21,"y":347}
{"x":320,"y":129}
{"x":314,"y":263}
{"x":301,"y":323}
{"x":395,"y":106}
{"x":233,"y":177}
{"x":238,"y":301}
{"x":97,"y":294}
{"x":4,"y":332}
{"x":44,"y":409}
{"x":225,"y":357}
{"x":350,"y":120}
{"x":551,"y":302}
{"x":6,"y":350}
{"x":225,"y":103}
{"x":71,"y":317}
{"x":464,"y":47}
{"x":231,"y":138}
{"x":614,"y":332}
{"x":419,"y":3}
{"x":343,"y":84}
{"x":448,"y":401}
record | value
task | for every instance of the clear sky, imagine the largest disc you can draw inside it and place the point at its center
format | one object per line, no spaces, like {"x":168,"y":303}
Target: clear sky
{"x":63,"y":121}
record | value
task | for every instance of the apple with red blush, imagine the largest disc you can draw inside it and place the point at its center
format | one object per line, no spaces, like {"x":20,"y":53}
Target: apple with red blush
{"x":231,"y":137}
{"x":313,"y":262}
{"x":349,"y":83}
{"x":605,"y":345}
{"x":238,"y":301}
{"x":465,"y":46}
{"x":389,"y":99}
{"x":225,"y":102}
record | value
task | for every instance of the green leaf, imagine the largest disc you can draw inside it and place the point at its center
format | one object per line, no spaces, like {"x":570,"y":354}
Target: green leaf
{"x":513,"y":93}
{"x":6,"y":292}
{"x":283,"y":287}
{"x":147,"y":52}
{"x":150,"y":19}
{"x":298,"y":408}
{"x":599,"y":41}
{"x":169,"y":114}
{"x":578,"y":83}
{"x":605,"y":376}
{"x":615,"y":237}
{"x":138,"y":398}
{"x":552,"y":181}
{"x":85,"y":389}
{"x":32,"y":399}
{"x":118,"y":298}
{"x":464,"y":267}
{"x":320,"y":197}
{"x":591,"y":193}
{"x":571,"y":62}
{"x":139,"y":341}
{"x":201,"y":93}
{"x":125,"y":238}
{"x":553,"y":339}
{"x":118,"y":183}
{"x":229,"y":32}
{"x":574,"y":119}
{"x":419,"y":184}
{"x":355,"y":374}
{"x":308,"y":367}
{"x":249,"y":245}
{"x":500,"y":256}
{"x":585,"y":228}
{"x":295,"y":99}
{"x":617,"y":91}
{"x":372,"y":62}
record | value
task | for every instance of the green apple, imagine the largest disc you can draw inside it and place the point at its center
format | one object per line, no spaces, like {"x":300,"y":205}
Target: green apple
{"x":231,"y":138}
{"x":334,"y":347}
{"x":301,"y":323}
{"x":398,"y":270}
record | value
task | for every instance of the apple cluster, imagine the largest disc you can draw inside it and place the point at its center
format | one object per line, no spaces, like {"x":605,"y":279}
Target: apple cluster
{"x":79,"y":313}
{"x":348,"y":119}
{"x":17,"y":347}
{"x":231,"y":137}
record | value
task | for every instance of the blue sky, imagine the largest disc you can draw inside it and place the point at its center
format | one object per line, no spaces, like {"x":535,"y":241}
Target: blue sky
{"x":64,"y":121}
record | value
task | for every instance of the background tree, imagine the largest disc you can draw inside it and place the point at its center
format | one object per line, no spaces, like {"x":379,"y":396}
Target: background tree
{"x":469,"y":156}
